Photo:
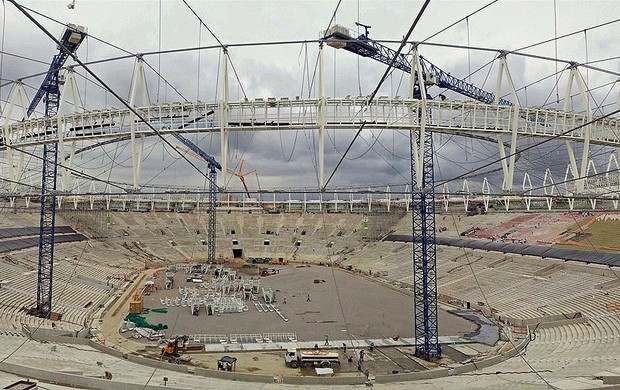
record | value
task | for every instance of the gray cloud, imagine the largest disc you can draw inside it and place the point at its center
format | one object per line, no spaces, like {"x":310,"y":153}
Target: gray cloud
{"x":287,"y":158}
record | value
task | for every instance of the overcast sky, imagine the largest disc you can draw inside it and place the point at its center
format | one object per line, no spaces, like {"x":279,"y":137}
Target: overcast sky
{"x":285,"y":159}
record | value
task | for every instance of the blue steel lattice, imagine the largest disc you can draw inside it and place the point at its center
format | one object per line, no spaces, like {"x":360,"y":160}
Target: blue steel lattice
{"x":47,"y":221}
{"x":213,"y":165}
{"x":212,"y":213}
{"x":366,"y":47}
{"x":46,"y":231}
{"x":424,"y":251}
{"x":70,"y":41}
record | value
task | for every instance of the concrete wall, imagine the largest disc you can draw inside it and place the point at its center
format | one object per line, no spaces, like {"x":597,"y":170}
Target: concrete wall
{"x":60,"y":339}
{"x":233,"y":376}
{"x":442,"y":372}
{"x":72,"y":380}
{"x":157,"y":364}
{"x":612,"y":380}
{"x":107,"y":350}
{"x":565,"y":321}
{"x":546,"y":321}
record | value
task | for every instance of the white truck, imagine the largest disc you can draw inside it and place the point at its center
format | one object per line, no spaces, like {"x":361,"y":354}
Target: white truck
{"x":307,"y":358}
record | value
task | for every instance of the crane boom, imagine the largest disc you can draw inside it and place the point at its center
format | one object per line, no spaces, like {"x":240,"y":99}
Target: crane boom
{"x":196,"y":149}
{"x":341,"y":37}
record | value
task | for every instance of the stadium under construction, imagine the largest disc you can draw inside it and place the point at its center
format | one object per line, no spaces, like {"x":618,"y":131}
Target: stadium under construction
{"x":446,"y":251}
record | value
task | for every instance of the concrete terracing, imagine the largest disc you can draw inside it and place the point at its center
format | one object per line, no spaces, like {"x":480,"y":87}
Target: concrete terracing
{"x":572,"y":309}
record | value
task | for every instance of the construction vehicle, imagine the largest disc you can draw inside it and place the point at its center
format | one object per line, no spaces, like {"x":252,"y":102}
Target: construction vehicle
{"x":310,"y":358}
{"x":279,"y":261}
{"x":259,"y":260}
{"x":264,"y":271}
{"x":172,"y":348}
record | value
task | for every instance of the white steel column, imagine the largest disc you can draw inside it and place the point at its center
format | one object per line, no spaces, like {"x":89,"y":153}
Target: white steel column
{"x":486,"y":193}
{"x":335,"y":201}
{"x":593,"y":168}
{"x":527,"y":191}
{"x":465,"y":192}
{"x":612,"y":180}
{"x":138,"y":81}
{"x":548,"y":188}
{"x":508,"y":167}
{"x":224,"y":109}
{"x":322,"y":120}
{"x":70,"y":84}
{"x":91,"y":196}
{"x":580,"y":174}
{"x":18,"y":97}
{"x":351,"y":200}
{"x":614,"y":156}
{"x":446,"y":196}
{"x":407,"y":198}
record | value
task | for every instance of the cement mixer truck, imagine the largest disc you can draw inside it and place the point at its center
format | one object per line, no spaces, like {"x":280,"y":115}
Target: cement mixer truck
{"x":308,"y":358}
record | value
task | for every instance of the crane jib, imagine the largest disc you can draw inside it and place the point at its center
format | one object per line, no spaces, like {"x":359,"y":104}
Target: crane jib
{"x":341,"y":37}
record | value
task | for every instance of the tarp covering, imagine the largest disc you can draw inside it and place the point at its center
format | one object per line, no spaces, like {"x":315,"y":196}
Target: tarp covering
{"x":30,"y":231}
{"x":141,"y":322}
{"x":554,"y":252}
{"x":29,"y":242}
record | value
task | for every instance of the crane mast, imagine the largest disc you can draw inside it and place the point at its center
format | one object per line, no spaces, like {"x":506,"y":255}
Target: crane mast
{"x":213,"y":166}
{"x":422,"y":185}
{"x":49,"y":91}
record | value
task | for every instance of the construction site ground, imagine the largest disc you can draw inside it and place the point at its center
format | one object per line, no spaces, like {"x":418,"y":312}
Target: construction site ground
{"x":345,"y":306}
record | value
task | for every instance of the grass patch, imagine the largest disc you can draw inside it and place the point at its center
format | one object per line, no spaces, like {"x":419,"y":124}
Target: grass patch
{"x":599,"y":234}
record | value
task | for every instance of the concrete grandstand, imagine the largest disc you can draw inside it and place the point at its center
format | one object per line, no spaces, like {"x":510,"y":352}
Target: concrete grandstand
{"x":562,"y":314}
{"x":318,"y":280}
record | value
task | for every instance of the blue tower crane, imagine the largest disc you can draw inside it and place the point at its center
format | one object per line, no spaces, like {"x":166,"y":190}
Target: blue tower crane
{"x":49,"y":91}
{"x":212,"y":165}
{"x":341,"y":38}
{"x":422,"y":200}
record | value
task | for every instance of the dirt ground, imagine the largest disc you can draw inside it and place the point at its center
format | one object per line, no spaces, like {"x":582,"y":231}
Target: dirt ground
{"x":343,"y":305}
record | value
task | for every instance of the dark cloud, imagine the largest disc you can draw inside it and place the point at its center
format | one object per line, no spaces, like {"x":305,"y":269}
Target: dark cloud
{"x":286,"y":159}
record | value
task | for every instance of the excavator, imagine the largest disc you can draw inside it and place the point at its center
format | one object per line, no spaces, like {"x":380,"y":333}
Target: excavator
{"x":171,"y":350}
